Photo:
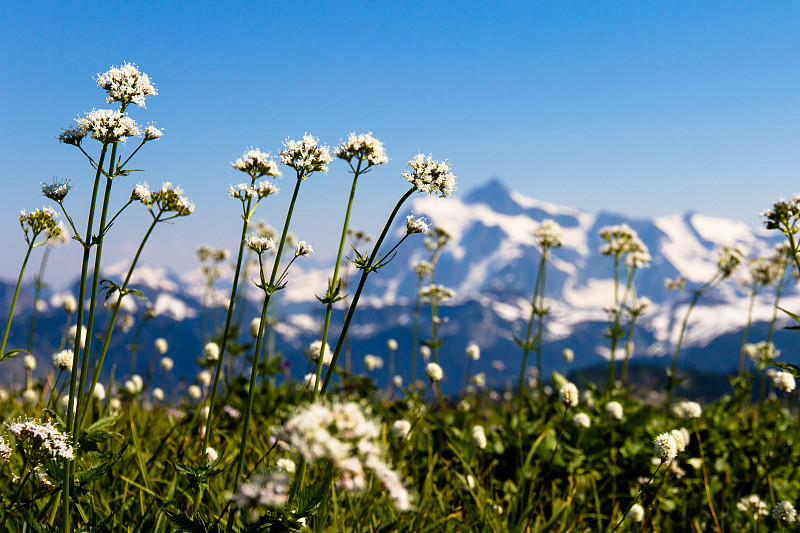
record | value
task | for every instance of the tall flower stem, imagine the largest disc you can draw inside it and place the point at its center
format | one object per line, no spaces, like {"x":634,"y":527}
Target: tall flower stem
{"x":254,"y":371}
{"x":615,"y":332}
{"x":746,"y":331}
{"x":333,"y":285}
{"x":671,"y":377}
{"x":537,"y":308}
{"x":87,"y":244}
{"x":14,"y":300}
{"x":38,"y":284}
{"x":110,"y":329}
{"x":364,"y":272}
{"x":623,"y":375}
{"x":415,"y":334}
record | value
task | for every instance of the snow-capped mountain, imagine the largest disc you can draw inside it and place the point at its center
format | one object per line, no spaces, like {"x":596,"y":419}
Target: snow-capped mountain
{"x":491,"y":262}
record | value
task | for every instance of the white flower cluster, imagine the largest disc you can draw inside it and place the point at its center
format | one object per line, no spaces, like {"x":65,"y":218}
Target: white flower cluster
{"x":211,"y":351}
{"x":765,"y":272}
{"x":784,"y":512}
{"x":784,"y":381}
{"x":39,"y":221}
{"x":108,"y":126}
{"x":681,"y":437}
{"x":568,"y":394}
{"x":244,"y":191}
{"x":40,"y":442}
{"x":63,"y":360}
{"x":313,"y":352}
{"x":479,"y":437}
{"x":372,"y":362}
{"x":548,"y":234}
{"x":401,"y":428}
{"x":430,"y":176}
{"x":621,"y":239}
{"x":665,"y":447}
{"x":436,"y":293}
{"x":258,"y":243}
{"x":5,"y":450}
{"x":151,"y":133}
{"x":168,"y":199}
{"x":303,"y":249}
{"x":729,"y":260}
{"x":434,"y":372}
{"x":473,"y":351}
{"x":761,"y":352}
{"x":416,"y":225}
{"x":363,"y":147}
{"x":305,"y":156}
{"x":687,"y":409}
{"x":422,"y":268}
{"x":614,"y":410}
{"x":581,"y":420}
{"x":753,"y":505}
{"x":270,"y":491}
{"x":256,"y":163}
{"x":344,"y":435}
{"x":126,"y":84}
{"x":57,"y":190}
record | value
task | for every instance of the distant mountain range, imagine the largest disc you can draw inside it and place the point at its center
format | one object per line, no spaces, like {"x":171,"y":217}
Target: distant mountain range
{"x":491,"y":262}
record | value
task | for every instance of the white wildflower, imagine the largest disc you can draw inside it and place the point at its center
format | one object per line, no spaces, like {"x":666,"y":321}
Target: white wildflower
{"x":473,"y":351}
{"x":211,"y":351}
{"x":479,"y":437}
{"x":614,"y":409}
{"x":166,"y":364}
{"x":313,"y":352}
{"x":430,"y":176}
{"x":665,"y":447}
{"x":568,"y":394}
{"x":581,"y":420}
{"x":256,"y":163}
{"x":29,"y":362}
{"x":784,"y":512}
{"x":784,"y":381}
{"x":305,"y":156}
{"x":126,"y":84}
{"x":434,"y":372}
{"x":391,"y":344}
{"x":108,"y":126}
{"x":158,"y":394}
{"x":363,"y":147}
{"x":372,"y":362}
{"x":63,"y":360}
{"x":401,"y":428}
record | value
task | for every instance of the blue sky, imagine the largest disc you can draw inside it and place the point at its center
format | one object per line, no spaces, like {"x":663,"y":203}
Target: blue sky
{"x":635,"y":107}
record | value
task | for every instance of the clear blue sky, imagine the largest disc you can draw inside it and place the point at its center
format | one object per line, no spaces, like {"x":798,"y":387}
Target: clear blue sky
{"x":636,"y":107}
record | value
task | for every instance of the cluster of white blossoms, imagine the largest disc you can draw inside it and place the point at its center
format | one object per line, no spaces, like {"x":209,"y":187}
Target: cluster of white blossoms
{"x":167,"y":199}
{"x":765,"y":272}
{"x":729,"y":260}
{"x":434,"y":372}
{"x":57,"y":190}
{"x":473,"y":351}
{"x":422,"y":268}
{"x":305,"y":156}
{"x":638,"y":259}
{"x":135,"y":385}
{"x":784,"y":381}
{"x":40,"y":442}
{"x":415,"y":225}
{"x":753,"y":505}
{"x":479,"y":436}
{"x":151,"y":133}
{"x":581,"y":420}
{"x":372,"y":362}
{"x":761,"y":353}
{"x":259,"y":244}
{"x":665,"y":447}
{"x":636,"y":514}
{"x":343,"y":434}
{"x":436,"y":293}
{"x":620,"y":239}
{"x":363,"y":147}
{"x":614,"y":410}
{"x":681,"y":437}
{"x":687,"y":409}
{"x":568,"y":394}
{"x":256,"y":163}
{"x":401,"y":428}
{"x":244,"y":191}
{"x":63,"y":360}
{"x":262,"y":492}
{"x":784,"y":512}
{"x":211,"y":351}
{"x":39,"y":221}
{"x":29,"y":362}
{"x":108,"y":125}
{"x":303,"y":249}
{"x":548,"y":234}
{"x":312,"y":352}
{"x":126,"y":84}
{"x":5,"y":450}
{"x":430,"y":176}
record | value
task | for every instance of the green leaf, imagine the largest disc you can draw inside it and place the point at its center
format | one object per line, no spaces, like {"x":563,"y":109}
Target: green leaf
{"x":189,"y":524}
{"x":310,"y":498}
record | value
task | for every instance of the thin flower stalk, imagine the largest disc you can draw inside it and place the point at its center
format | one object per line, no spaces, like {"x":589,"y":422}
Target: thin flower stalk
{"x":38,"y":285}
{"x":535,"y":342}
{"x":14,"y":301}
{"x":269,"y":289}
{"x":362,"y":280}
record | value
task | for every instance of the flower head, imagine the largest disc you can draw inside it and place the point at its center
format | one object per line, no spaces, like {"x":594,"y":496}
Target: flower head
{"x":784,"y":512}
{"x":636,"y":514}
{"x":753,"y":505}
{"x":473,"y":351}
{"x":141,"y":193}
{"x":422,"y":268}
{"x":568,"y":355}
{"x":313,"y":352}
{"x":211,"y":351}
{"x":620,"y":240}
{"x":436,"y":293}
{"x":57,"y":190}
{"x":665,"y":447}
{"x":126,"y":84}
{"x":63,"y":360}
{"x":548,"y":234}
{"x":161,"y":347}
{"x":581,"y":420}
{"x":259,"y":244}
{"x":40,"y":221}
{"x":72,"y":135}
{"x":169,"y":199}
{"x":430,"y":176}
{"x":257,"y":163}
{"x":391,"y":344}
{"x":39,"y":442}
{"x":479,"y":437}
{"x":29,"y":362}
{"x":687,"y":409}
{"x":372,"y":362}
{"x":151,"y":133}
{"x":415,"y":225}
{"x":166,"y":364}
{"x":305,"y":156}
{"x":362,"y":147}
{"x":729,"y":260}
{"x":108,"y":126}
{"x":568,"y":394}
{"x":262,"y":492}
{"x":614,"y":409}
{"x":434,"y":372}
{"x":302,"y":248}
{"x":401,"y":428}
{"x":784,"y":381}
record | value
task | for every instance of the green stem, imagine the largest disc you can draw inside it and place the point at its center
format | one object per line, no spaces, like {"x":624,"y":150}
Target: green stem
{"x":14,"y":301}
{"x":527,"y":346}
{"x":87,"y":244}
{"x":357,"y":295}
{"x":614,"y":330}
{"x":333,"y":284}
{"x":746,"y":330}
{"x":110,"y":330}
{"x":415,"y":335}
